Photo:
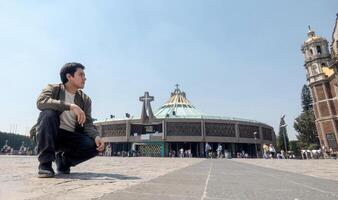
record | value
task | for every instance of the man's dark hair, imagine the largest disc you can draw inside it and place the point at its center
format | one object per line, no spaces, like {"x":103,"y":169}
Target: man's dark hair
{"x":69,"y":68}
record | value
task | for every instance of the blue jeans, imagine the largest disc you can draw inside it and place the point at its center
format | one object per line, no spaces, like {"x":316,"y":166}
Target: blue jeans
{"x":77,"y":147}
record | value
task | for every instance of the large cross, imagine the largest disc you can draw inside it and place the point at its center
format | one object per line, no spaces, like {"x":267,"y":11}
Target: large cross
{"x":146,"y":98}
{"x":147,"y":112}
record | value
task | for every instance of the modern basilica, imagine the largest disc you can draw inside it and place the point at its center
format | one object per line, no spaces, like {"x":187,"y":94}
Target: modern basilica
{"x":178,"y":125}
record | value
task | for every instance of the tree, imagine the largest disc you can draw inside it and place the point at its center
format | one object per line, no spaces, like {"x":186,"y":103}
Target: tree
{"x":305,"y":122}
{"x":306,"y":128}
{"x":295,"y":148}
{"x":282,"y":133}
{"x":307,"y":101}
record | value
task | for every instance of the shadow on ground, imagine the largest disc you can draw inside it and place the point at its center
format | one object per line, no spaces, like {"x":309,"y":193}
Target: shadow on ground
{"x":96,"y":176}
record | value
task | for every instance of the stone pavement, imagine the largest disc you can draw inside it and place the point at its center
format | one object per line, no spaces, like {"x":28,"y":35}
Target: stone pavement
{"x":228,"y":179}
{"x":327,"y":169}
{"x":91,"y":179}
{"x":172,"y":178}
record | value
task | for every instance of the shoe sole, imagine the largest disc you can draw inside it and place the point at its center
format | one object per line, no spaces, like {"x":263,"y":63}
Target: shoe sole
{"x":45,"y":174}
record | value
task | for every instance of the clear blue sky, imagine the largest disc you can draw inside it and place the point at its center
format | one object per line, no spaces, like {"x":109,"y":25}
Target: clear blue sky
{"x":232,"y":58}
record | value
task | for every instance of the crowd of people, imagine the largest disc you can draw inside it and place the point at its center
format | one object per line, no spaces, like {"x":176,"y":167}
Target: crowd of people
{"x":322,"y":153}
{"x":181,"y":153}
{"x":23,"y":150}
{"x":219,"y":153}
{"x":6,"y":149}
{"x":269,"y":152}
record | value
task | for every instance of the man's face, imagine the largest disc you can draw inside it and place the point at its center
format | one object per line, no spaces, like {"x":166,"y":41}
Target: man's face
{"x":78,"y":80}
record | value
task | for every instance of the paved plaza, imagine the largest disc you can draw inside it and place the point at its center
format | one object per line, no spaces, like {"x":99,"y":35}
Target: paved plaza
{"x":173,"y":178}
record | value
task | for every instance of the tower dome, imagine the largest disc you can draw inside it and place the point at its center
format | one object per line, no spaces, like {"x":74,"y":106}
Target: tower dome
{"x":312,"y":37}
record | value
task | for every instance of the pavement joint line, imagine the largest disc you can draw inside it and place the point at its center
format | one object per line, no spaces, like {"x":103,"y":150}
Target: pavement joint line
{"x":207,"y":182}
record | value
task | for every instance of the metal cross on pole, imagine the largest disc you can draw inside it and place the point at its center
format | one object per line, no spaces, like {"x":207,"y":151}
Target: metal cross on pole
{"x":147,"y":112}
{"x":147,"y":99}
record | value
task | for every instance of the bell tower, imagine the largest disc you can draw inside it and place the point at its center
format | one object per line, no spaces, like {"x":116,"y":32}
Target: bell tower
{"x":317,"y":57}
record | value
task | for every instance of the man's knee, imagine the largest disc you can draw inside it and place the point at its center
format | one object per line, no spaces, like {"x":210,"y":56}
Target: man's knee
{"x":49,"y":115}
{"x":89,"y":147}
{"x":90,"y":143}
{"x":48,"y":120}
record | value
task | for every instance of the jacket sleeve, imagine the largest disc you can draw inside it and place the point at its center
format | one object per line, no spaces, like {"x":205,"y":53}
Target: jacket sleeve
{"x":47,"y":100}
{"x":89,"y":127}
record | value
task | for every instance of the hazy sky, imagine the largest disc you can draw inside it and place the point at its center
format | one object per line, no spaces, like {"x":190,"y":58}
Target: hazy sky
{"x":232,"y":58}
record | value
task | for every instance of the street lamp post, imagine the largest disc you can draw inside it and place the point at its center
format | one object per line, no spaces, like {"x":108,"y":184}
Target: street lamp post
{"x":255,"y":133}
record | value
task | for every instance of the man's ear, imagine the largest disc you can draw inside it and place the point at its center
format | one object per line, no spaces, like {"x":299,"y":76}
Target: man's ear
{"x":68,"y":76}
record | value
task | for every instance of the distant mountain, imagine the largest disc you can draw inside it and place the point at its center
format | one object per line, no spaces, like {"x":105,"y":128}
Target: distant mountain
{"x":15,"y":140}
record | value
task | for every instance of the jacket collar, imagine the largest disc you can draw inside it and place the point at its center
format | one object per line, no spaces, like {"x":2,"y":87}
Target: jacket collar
{"x":63,"y":92}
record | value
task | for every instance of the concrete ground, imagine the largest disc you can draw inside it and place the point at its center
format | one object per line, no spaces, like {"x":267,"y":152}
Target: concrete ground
{"x":233,"y":180}
{"x":327,"y":169}
{"x":91,"y":179}
{"x":173,"y":178}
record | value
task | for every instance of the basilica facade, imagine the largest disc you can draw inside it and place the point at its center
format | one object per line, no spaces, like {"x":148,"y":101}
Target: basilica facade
{"x":321,"y":64}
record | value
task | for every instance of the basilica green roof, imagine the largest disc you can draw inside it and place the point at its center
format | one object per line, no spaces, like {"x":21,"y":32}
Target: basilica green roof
{"x":178,"y":106}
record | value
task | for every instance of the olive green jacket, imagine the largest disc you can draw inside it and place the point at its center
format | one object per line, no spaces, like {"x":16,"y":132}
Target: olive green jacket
{"x":53,"y":98}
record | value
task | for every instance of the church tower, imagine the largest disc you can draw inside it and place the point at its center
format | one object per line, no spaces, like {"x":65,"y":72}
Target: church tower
{"x":317,"y":57}
{"x":323,"y":84}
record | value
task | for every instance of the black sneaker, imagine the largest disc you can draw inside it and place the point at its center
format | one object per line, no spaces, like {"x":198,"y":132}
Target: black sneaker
{"x":61,"y":164}
{"x":46,"y":170}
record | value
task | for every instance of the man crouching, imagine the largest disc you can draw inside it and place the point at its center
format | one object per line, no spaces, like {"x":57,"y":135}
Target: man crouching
{"x":65,"y":130}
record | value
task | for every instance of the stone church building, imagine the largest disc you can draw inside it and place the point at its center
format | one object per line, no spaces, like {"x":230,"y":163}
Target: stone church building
{"x":321,"y":64}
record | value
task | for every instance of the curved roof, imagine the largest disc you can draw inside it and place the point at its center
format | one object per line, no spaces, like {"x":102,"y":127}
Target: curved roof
{"x":178,"y":106}
{"x":313,"y":39}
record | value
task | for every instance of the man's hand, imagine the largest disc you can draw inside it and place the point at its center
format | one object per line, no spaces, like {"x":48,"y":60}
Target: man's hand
{"x":80,"y":115}
{"x":99,"y":143}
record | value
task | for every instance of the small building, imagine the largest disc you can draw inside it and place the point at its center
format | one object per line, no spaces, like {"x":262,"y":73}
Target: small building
{"x":179,"y":126}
